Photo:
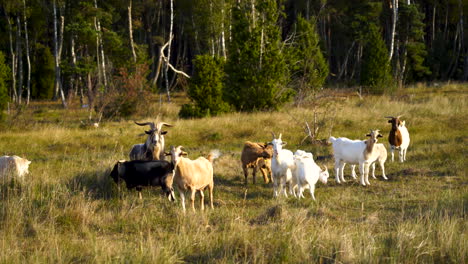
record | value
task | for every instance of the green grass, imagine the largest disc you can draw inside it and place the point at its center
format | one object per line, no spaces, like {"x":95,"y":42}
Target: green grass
{"x":67,"y":210}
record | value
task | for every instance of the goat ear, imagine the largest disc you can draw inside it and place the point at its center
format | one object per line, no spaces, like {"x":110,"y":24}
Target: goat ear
{"x":284,"y":143}
{"x":379,"y":135}
{"x":183,"y":153}
{"x":368,"y":135}
{"x":163,"y":132}
{"x":390,"y":121}
{"x":148,"y":132}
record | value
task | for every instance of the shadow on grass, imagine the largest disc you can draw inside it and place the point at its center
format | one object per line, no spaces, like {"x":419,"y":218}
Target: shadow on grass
{"x":96,"y":185}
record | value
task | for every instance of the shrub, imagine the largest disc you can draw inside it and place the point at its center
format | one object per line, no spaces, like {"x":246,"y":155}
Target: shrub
{"x":4,"y":73}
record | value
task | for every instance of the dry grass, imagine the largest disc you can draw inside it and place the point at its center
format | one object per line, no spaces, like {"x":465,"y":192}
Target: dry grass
{"x":69,"y":211}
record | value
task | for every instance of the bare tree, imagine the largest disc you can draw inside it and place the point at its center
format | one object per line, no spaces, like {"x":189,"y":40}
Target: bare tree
{"x":57,"y":54}
{"x":100,"y":50}
{"x":13,"y":60}
{"x":130,"y":31}
{"x":394,"y":7}
{"x":28,"y":60}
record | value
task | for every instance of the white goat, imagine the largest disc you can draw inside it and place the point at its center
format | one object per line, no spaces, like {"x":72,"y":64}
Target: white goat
{"x":355,"y":152}
{"x":398,"y":137}
{"x":308,"y":173}
{"x":153,"y":148}
{"x":13,"y":166}
{"x":193,"y":175}
{"x":282,"y":165}
{"x":380,"y":148}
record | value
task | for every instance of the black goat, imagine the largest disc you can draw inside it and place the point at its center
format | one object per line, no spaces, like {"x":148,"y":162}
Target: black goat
{"x":138,"y":173}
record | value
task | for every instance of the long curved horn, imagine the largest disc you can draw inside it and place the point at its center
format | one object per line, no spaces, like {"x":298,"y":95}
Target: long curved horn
{"x":160,"y":124}
{"x":400,"y":116}
{"x":151,"y":124}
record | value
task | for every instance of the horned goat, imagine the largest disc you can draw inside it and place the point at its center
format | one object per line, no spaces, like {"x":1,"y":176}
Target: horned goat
{"x":362,"y":152}
{"x":153,"y":148}
{"x":398,"y":137}
{"x":282,"y":166}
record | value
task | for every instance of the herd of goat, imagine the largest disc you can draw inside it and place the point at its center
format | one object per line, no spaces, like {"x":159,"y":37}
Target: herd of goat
{"x":298,"y":171}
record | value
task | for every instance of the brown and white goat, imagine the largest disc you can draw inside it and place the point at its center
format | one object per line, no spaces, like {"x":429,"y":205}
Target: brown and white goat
{"x":153,"y":148}
{"x":193,"y":175}
{"x":398,"y":137}
{"x":257,"y":155}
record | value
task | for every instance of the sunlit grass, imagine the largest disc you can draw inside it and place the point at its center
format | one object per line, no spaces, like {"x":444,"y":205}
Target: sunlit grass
{"x":68,"y":210}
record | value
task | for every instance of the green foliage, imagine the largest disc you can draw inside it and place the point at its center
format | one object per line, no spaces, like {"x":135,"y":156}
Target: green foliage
{"x":256,"y":74}
{"x":205,"y":88}
{"x":4,"y":77}
{"x":375,"y":72}
{"x":309,"y":68}
{"x":43,"y":77}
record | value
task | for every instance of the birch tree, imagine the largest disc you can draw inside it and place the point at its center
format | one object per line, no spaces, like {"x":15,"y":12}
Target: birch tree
{"x":28,"y":59}
{"x":58,"y":90}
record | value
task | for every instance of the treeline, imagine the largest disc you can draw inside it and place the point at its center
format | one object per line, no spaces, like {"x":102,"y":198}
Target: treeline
{"x":228,"y":54}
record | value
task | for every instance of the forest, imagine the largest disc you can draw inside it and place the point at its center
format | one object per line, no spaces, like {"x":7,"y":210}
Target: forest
{"x":226,"y":55}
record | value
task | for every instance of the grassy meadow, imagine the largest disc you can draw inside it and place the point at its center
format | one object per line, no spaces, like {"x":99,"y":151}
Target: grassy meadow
{"x":68,"y":210}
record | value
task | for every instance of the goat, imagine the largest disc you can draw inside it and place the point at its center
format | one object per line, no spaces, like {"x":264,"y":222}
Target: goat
{"x":13,"y":166}
{"x":139,"y":173}
{"x":256,"y":155}
{"x":355,"y":152}
{"x":282,"y":166}
{"x":153,"y":148}
{"x":308,"y":173}
{"x":193,"y":175}
{"x":398,"y":137}
{"x":382,"y":157}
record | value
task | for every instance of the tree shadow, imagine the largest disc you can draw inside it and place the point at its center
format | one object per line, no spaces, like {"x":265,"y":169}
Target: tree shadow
{"x":97,"y":185}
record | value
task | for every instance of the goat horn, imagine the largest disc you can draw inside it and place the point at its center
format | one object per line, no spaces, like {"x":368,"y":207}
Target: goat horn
{"x":151,"y":124}
{"x":160,"y":124}
{"x":280,"y":136}
{"x":400,"y":116}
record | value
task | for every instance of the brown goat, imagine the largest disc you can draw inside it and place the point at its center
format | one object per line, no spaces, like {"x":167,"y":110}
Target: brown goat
{"x":257,"y":155}
{"x":398,"y":137}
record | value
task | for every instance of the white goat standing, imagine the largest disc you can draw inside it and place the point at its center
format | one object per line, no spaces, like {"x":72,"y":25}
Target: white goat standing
{"x":153,"y":148}
{"x":380,"y":148}
{"x":360,"y":152}
{"x":308,"y":173}
{"x":282,"y":165}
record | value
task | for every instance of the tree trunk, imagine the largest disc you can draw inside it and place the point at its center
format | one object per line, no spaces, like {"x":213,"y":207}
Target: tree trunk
{"x":57,"y":53}
{"x":223,"y":45}
{"x":28,"y":60}
{"x":13,"y":60}
{"x":130,"y":31}
{"x":166,"y":66}
{"x":393,"y":32}
{"x":100,"y":49}
{"x":19,"y":52}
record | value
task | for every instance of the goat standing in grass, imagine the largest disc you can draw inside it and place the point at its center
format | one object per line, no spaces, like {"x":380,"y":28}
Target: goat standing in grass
{"x":256,"y":155}
{"x":193,"y":175}
{"x":153,"y":148}
{"x":362,"y":152}
{"x":308,"y":173}
{"x":398,"y":137}
{"x":282,"y":165}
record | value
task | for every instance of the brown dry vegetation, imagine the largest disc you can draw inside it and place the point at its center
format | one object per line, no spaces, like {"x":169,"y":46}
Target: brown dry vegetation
{"x":69,"y":211}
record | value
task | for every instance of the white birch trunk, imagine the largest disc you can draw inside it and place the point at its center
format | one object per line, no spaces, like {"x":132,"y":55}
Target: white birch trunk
{"x":19,"y":53}
{"x":130,"y":31}
{"x":101,"y":49}
{"x":223,"y":45}
{"x":166,"y":66}
{"x":28,"y":60}
{"x":57,"y":54}
{"x":393,"y":32}
{"x":13,"y":61}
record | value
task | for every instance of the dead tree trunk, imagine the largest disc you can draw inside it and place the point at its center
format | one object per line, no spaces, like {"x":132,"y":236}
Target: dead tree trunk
{"x":166,"y":66}
{"x":100,"y":49}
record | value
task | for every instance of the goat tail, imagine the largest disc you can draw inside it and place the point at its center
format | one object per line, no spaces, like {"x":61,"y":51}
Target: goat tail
{"x":214,"y":154}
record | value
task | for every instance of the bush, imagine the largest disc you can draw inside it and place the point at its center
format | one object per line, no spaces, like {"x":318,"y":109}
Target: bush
{"x":205,"y":88}
{"x":43,"y":75}
{"x":4,"y":73}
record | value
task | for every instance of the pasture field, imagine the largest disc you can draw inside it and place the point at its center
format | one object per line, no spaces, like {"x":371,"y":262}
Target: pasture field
{"x":68,"y":210}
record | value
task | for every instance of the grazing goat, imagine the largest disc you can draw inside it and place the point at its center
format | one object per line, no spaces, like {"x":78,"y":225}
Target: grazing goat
{"x":153,"y":148}
{"x":139,"y":173}
{"x":193,"y":175}
{"x":362,"y":152}
{"x":13,"y":166}
{"x":398,"y":137}
{"x":256,"y":155}
{"x":282,"y":166}
{"x":308,"y":173}
{"x":380,"y":148}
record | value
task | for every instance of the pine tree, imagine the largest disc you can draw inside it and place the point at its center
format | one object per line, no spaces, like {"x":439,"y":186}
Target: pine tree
{"x":43,"y":76}
{"x":256,"y":68}
{"x":375,"y":72}
{"x":4,"y":75}
{"x":308,"y":66}
{"x":206,"y":88}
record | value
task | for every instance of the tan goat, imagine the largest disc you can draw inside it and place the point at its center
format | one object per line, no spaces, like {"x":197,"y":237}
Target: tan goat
{"x":257,"y":155}
{"x":193,"y":175}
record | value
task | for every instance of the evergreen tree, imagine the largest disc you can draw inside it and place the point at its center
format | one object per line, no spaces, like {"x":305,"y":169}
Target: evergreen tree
{"x":256,"y":68}
{"x":43,"y":77}
{"x":308,"y":66}
{"x":205,"y":88}
{"x":4,"y":75}
{"x":375,"y":72}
